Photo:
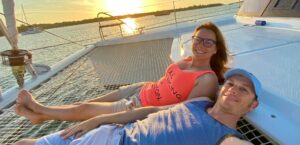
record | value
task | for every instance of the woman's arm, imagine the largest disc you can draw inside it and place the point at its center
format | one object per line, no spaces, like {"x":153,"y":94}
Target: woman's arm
{"x":206,"y":85}
{"x":117,"y":118}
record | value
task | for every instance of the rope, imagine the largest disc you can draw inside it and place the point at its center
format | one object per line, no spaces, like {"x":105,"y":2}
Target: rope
{"x":45,"y":47}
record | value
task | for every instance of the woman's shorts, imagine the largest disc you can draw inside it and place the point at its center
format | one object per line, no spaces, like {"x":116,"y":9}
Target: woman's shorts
{"x":130,"y":97}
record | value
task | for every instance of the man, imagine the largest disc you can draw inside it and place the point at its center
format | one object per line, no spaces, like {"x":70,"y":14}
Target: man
{"x":196,"y":122}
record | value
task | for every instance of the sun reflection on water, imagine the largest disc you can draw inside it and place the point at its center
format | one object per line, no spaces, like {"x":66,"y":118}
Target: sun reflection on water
{"x":130,"y":26}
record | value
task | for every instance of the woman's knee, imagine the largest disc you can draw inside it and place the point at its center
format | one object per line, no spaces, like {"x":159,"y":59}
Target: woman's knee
{"x":127,"y":91}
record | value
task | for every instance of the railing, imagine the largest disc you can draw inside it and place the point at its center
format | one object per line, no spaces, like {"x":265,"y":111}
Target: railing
{"x":103,"y":26}
{"x":119,"y":24}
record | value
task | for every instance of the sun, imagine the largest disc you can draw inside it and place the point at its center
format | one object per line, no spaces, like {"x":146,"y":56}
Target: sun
{"x":123,"y":7}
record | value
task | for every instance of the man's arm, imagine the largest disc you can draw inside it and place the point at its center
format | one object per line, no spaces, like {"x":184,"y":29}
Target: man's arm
{"x":232,"y":140}
{"x":116,"y":118}
{"x":128,"y":116}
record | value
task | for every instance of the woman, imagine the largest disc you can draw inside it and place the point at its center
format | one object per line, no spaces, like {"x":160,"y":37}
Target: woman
{"x":195,"y":76}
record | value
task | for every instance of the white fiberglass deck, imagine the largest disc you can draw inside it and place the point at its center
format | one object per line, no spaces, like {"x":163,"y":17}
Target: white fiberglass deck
{"x":271,"y":54}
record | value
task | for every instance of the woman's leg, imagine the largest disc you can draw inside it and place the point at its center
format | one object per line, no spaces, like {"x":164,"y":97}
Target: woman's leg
{"x":34,"y":118}
{"x":121,"y":93}
{"x":37,"y":113}
{"x":80,"y":112}
{"x":109,"y":97}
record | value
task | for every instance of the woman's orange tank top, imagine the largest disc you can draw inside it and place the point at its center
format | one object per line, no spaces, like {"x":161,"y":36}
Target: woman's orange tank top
{"x":174,"y":87}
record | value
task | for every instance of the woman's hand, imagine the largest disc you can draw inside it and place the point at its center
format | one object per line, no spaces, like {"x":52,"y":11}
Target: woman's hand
{"x":80,"y":129}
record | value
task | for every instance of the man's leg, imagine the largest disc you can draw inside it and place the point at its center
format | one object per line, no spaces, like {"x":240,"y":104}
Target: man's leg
{"x":103,"y":135}
{"x":51,"y":139}
{"x":26,"y":142}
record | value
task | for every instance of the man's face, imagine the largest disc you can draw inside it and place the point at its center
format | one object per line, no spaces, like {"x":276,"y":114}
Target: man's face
{"x":237,"y":96}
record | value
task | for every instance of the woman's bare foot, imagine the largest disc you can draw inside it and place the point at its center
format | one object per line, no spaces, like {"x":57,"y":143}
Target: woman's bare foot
{"x":25,"y":98}
{"x":34,"y":118}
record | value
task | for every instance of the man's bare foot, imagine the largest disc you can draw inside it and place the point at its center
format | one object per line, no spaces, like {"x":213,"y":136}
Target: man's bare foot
{"x":25,"y":98}
{"x":34,"y":118}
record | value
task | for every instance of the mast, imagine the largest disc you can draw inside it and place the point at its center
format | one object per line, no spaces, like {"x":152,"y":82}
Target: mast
{"x":16,"y":58}
{"x":9,"y":13}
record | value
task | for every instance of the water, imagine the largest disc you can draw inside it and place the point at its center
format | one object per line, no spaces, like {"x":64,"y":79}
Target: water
{"x":51,"y":55}
{"x":89,"y":33}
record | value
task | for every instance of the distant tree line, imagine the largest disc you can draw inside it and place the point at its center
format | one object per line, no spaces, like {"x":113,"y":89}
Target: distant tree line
{"x":24,"y":27}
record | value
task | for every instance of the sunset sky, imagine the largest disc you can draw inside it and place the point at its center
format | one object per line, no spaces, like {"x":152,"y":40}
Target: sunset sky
{"x":51,"y":11}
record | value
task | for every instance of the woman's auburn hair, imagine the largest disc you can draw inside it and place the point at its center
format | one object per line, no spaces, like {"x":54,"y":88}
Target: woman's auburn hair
{"x":218,"y":61}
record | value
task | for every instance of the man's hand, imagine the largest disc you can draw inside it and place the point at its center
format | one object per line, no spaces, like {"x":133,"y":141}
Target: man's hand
{"x":80,"y":129}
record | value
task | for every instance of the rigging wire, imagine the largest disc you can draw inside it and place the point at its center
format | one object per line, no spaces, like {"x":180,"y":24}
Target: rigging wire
{"x":45,"y":47}
{"x":74,"y":42}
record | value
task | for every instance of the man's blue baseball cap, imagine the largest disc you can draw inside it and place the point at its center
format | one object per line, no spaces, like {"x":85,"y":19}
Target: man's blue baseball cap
{"x":237,"y":71}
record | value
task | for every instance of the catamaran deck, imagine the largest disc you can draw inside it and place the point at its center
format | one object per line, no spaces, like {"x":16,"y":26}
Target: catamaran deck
{"x":270,"y":53}
{"x":80,"y":81}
